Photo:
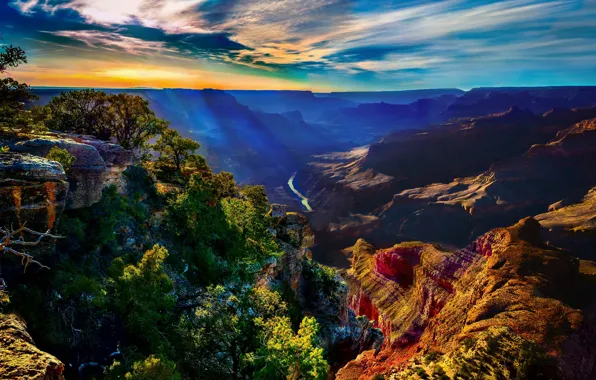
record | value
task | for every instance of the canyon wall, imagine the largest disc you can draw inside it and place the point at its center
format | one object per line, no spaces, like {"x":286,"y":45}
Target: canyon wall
{"x":506,"y":284}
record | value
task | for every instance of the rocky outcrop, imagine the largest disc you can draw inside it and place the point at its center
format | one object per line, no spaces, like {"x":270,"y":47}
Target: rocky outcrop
{"x":33,"y":190}
{"x":97,"y":164}
{"x":506,"y":284}
{"x":318,"y":291}
{"x":19,"y":358}
{"x":364,"y":180}
{"x":295,"y":237}
{"x":526,"y":185}
{"x":572,"y":226}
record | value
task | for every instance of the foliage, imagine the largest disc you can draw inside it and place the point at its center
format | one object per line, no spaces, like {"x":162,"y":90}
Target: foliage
{"x":14,"y":95}
{"x":501,"y":353}
{"x":99,"y":226}
{"x":123,"y":117}
{"x":225,"y":235}
{"x":142,"y":296}
{"x":11,"y":56}
{"x":82,"y":111}
{"x":432,"y":356}
{"x":132,"y":122}
{"x":152,"y":367}
{"x":174,"y":149}
{"x":257,"y":196}
{"x":219,"y":334}
{"x":291,"y":355}
{"x":324,"y":286}
{"x":61,"y":156}
{"x":246,"y":334}
{"x":193,"y":310}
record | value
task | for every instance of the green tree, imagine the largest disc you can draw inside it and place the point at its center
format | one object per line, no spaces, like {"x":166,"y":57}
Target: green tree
{"x":14,"y":96}
{"x":197,"y":163}
{"x":11,"y":56}
{"x":174,"y":148}
{"x":225,"y":185}
{"x":223,"y":234}
{"x":143,"y":296}
{"x":82,"y":111}
{"x":219,"y":336}
{"x":257,"y":196}
{"x":132,"y":122}
{"x":61,"y":156}
{"x":289,"y":355}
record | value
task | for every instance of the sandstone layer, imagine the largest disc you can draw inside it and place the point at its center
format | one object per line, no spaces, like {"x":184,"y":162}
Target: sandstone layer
{"x":506,"y":284}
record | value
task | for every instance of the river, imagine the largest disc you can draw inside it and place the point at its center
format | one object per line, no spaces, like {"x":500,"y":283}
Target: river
{"x":303,"y":199}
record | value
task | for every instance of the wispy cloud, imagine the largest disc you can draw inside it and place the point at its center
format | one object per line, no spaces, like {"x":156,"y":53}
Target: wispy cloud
{"x":417,"y":41}
{"x":113,"y":41}
{"x":174,"y":16}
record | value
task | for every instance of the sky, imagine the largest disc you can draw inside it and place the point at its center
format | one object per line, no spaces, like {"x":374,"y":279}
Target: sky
{"x":318,"y":45}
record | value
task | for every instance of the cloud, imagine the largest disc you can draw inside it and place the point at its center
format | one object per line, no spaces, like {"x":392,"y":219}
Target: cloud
{"x":339,"y":39}
{"x":173,"y":16}
{"x":25,"y":6}
{"x":115,"y":42}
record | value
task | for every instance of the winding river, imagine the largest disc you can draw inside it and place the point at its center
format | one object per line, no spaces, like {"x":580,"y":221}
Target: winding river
{"x":303,"y":199}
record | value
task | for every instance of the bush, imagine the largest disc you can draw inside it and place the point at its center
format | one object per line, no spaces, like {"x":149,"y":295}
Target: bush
{"x":62,"y":157}
{"x":151,"y":368}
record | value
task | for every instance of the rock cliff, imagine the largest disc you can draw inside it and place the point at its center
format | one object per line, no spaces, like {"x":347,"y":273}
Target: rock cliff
{"x":97,"y":164}
{"x":32,"y":190}
{"x":511,"y":189}
{"x":36,"y":191}
{"x":440,"y":308}
{"x":317,"y":291}
{"x":572,"y":226}
{"x":365,"y":180}
{"x":19,"y":358}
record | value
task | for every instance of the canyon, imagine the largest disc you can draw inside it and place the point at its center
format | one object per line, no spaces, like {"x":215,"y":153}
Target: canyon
{"x":461,"y":226}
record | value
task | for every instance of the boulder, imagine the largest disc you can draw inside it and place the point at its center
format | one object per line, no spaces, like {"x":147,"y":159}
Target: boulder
{"x":116,"y":159}
{"x":33,"y":190}
{"x":97,"y":164}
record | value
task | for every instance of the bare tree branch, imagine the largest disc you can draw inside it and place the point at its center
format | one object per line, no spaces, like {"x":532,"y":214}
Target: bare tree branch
{"x":14,"y":237}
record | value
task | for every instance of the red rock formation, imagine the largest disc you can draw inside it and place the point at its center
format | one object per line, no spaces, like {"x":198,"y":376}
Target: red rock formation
{"x":506,"y":279}
{"x":398,"y":263}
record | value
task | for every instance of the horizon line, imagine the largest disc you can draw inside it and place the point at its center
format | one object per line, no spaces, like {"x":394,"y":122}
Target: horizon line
{"x":311,"y":91}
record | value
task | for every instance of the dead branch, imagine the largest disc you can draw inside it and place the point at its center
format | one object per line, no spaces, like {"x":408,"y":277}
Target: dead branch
{"x":14,"y":237}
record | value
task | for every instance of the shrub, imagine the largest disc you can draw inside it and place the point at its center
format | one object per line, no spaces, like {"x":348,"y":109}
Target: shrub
{"x":62,"y":157}
{"x":151,"y":368}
